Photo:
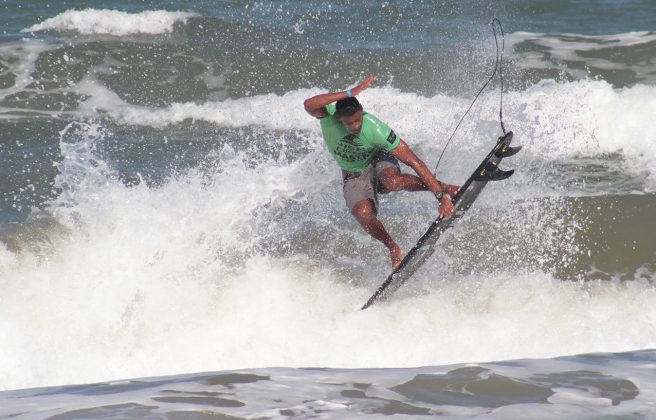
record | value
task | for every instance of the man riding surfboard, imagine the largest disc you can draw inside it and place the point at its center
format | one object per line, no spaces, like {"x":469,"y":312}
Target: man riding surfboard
{"x":368,"y":152}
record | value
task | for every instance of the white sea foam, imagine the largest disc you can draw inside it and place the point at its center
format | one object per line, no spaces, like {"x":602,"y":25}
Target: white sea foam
{"x":167,"y":280}
{"x":554,"y":120}
{"x":114,"y":315}
{"x":20,"y":59}
{"x":581,"y":49}
{"x":573,"y":42}
{"x":112,"y":22}
{"x":152,"y":281}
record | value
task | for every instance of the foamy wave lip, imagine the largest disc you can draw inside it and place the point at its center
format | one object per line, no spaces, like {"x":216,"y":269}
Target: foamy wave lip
{"x":569,"y":47}
{"x":112,"y":22}
{"x":573,"y":42}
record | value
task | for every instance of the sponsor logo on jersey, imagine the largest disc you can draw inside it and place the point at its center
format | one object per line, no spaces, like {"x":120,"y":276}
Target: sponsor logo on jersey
{"x":392,"y":137}
{"x":351,"y":138}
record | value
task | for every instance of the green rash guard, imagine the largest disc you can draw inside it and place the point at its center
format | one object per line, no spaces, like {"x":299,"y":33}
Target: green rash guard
{"x":354,"y":152}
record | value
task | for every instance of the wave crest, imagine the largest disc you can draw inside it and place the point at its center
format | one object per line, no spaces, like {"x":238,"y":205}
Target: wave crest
{"x":113,"y":22}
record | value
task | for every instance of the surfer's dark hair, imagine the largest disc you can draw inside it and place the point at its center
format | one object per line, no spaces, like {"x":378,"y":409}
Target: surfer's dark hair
{"x":347,"y":107}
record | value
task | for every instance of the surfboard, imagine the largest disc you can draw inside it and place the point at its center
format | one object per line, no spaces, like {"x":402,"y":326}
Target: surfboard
{"x":487,"y":171}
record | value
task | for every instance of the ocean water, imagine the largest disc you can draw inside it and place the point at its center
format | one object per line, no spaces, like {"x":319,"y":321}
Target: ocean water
{"x":174,"y":242}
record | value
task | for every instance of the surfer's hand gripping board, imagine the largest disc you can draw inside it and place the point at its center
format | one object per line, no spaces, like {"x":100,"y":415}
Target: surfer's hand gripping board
{"x":488,"y":170}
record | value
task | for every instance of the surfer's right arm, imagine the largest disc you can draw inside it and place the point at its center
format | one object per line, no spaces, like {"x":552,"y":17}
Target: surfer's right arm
{"x":316,"y":105}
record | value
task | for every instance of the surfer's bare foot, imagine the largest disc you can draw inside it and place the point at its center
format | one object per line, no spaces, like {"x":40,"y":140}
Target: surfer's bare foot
{"x":396,"y":253}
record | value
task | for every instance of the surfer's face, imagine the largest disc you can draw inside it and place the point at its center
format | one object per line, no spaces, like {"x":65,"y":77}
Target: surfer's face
{"x":353,"y":123}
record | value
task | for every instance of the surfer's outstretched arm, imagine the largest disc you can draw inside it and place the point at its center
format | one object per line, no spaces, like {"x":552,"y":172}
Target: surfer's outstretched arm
{"x":316,"y":105}
{"x":407,"y":156}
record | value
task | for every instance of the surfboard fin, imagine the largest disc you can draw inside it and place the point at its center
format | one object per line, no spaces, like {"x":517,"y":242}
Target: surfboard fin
{"x":507,"y":151}
{"x":491,"y":172}
{"x":508,"y":136}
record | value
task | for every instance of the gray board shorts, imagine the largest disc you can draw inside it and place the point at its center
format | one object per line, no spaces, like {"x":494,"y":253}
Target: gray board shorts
{"x":364,"y":185}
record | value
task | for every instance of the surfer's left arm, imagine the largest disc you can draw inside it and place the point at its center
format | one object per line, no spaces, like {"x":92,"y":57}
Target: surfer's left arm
{"x":316,"y":105}
{"x":407,"y":156}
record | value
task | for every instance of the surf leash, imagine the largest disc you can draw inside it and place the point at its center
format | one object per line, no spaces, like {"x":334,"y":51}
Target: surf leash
{"x":498,"y":66}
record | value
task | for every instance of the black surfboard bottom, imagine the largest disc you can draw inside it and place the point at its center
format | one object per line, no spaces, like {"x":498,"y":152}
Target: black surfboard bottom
{"x":488,"y":170}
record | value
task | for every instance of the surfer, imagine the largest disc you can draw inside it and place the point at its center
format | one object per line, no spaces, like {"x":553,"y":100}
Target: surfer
{"x":368,"y":152}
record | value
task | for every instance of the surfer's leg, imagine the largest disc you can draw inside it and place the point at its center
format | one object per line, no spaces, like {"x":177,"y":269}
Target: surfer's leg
{"x":364,"y":212}
{"x":361,"y":198}
{"x":391,"y":179}
{"x":389,"y":176}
